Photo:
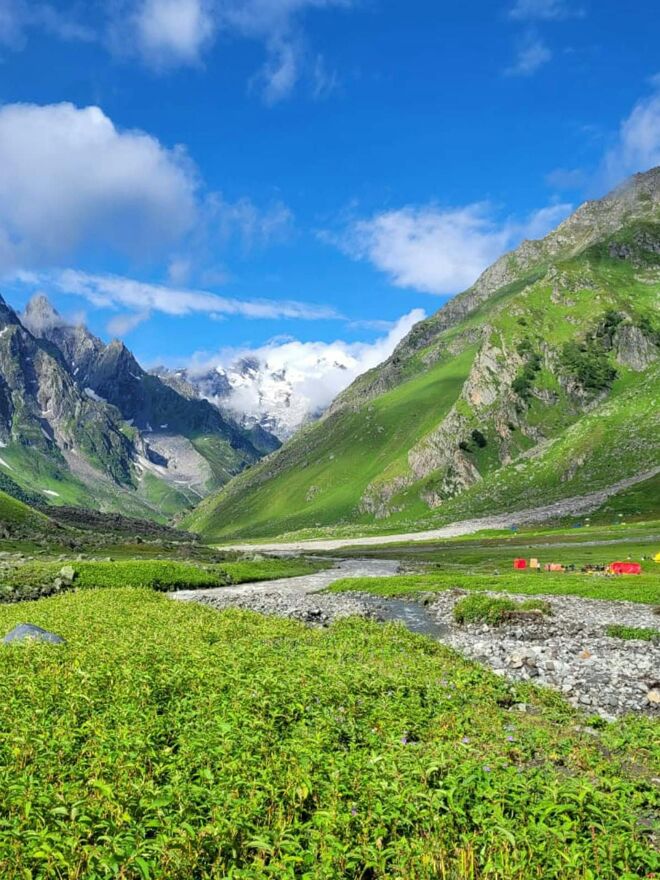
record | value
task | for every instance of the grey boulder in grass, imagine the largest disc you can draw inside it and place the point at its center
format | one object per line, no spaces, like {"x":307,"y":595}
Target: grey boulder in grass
{"x":28,"y":632}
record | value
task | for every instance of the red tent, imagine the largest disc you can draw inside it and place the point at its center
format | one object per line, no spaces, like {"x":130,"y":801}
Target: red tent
{"x":625,"y":568}
{"x":520,"y":563}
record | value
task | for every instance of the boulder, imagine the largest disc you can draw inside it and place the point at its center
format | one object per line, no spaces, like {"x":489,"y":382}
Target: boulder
{"x":25,"y":631}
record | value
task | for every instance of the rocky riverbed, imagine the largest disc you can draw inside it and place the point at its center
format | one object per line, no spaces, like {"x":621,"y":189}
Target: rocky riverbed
{"x":568,"y":650}
{"x":301,"y":598}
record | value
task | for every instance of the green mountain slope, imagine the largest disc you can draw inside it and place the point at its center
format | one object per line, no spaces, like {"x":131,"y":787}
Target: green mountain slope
{"x":539,"y":383}
{"x":81,"y":423}
{"x":18,"y":519}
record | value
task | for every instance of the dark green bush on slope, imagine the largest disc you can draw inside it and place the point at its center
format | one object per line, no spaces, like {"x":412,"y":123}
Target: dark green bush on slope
{"x":588,"y":364}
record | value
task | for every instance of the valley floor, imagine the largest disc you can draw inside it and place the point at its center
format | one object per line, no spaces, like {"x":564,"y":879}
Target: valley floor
{"x":569,"y":650}
{"x":171,"y":738}
{"x":556,"y":510}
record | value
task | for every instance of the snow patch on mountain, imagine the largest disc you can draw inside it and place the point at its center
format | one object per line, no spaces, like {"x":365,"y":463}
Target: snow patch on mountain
{"x":284,"y":384}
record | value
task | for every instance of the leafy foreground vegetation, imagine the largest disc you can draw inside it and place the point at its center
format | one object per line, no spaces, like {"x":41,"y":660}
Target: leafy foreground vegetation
{"x":483,"y":609}
{"x":638,"y":588}
{"x":167,"y":740}
{"x":35,"y":579}
{"x":645,"y":633}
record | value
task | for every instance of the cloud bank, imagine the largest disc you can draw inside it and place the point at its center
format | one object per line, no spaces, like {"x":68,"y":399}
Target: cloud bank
{"x":142,"y":298}
{"x":19,"y":17}
{"x":440,"y":251}
{"x":533,"y":53}
{"x":173,"y":33}
{"x":73,"y":183}
{"x":169,"y":33}
{"x":637,"y":146}
{"x":314,"y":371}
{"x":544,"y":10}
{"x":71,"y":180}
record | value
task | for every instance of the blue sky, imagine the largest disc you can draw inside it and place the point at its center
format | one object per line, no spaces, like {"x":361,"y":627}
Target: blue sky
{"x":204,"y":176}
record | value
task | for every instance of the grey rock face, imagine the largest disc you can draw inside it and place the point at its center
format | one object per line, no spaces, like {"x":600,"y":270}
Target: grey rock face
{"x":28,"y":631}
{"x":633,"y":348}
{"x":67,"y":394}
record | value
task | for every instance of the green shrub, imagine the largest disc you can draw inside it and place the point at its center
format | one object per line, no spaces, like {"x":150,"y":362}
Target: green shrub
{"x":37,"y":579}
{"x":154,"y":574}
{"x":479,"y":438}
{"x":651,"y":331}
{"x":588,"y":364}
{"x":587,"y":361}
{"x":536,"y":605}
{"x":483,"y":609}
{"x":487,"y":609}
{"x":522,"y":384}
{"x":644,"y":588}
{"x":619,"y":631}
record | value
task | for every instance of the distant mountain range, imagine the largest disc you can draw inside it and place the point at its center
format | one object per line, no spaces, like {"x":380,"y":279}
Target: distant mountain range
{"x":82,"y":423}
{"x":539,"y":383}
{"x":251,"y":392}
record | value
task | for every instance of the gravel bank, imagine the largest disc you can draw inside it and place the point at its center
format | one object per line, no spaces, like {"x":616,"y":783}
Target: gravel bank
{"x":568,"y":651}
{"x":299,"y":598}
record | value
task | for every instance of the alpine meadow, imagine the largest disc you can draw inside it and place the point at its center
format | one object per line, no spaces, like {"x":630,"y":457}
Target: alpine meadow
{"x":329,"y":440}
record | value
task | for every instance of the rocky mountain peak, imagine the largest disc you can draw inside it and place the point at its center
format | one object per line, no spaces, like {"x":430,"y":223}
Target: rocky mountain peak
{"x":7,"y":314}
{"x":40,"y":315}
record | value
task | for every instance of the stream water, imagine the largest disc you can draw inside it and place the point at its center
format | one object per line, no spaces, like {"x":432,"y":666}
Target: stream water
{"x":287,"y":594}
{"x":413,"y":615}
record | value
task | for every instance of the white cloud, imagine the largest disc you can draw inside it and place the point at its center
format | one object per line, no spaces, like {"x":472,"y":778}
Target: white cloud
{"x":12,"y":23}
{"x":114,"y":291}
{"x":277,"y":24}
{"x":253,"y":227}
{"x":324,"y":81}
{"x":70,"y":179}
{"x":169,"y":33}
{"x":544,"y":10}
{"x":18,"y":17}
{"x":440,"y":251}
{"x":173,"y":32}
{"x":426,"y":248}
{"x":280,"y":73}
{"x":566,"y":178}
{"x":637,"y":147}
{"x":315,"y":372}
{"x":121,"y":325}
{"x":539,"y":223}
{"x":73,"y":182}
{"x":533,"y":53}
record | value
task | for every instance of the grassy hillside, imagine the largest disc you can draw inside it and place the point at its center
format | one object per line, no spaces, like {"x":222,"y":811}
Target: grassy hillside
{"x":15,"y":513}
{"x":47,"y":479}
{"x":545,"y":388}
{"x":316,"y":479}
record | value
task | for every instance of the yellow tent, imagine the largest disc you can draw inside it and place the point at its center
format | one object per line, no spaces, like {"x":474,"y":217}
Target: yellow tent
{"x":656,"y":558}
